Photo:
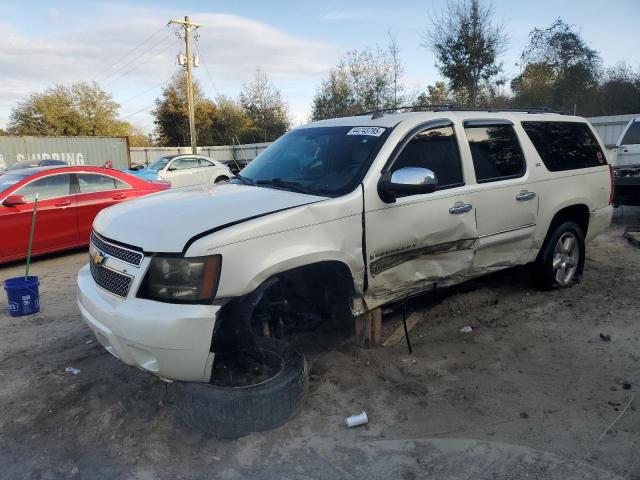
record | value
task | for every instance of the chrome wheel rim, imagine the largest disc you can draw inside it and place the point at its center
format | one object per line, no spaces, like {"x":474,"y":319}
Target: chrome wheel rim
{"x":565,"y":258}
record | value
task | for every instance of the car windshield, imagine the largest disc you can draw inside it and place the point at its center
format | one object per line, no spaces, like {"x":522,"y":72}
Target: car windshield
{"x":159,"y":164}
{"x":21,"y":165}
{"x":324,"y":160}
{"x":7,"y":180}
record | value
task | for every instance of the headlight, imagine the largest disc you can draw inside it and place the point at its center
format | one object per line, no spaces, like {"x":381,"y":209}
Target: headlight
{"x":181,"y":280}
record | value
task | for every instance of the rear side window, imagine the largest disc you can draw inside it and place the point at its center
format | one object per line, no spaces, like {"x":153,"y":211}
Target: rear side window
{"x":185,"y":163}
{"x":437,"y":150}
{"x":90,"y":182}
{"x":632,"y":137}
{"x":565,"y":145}
{"x":496,"y":152}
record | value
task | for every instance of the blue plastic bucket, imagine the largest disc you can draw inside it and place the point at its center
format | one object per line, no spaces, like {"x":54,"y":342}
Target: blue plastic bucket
{"x":23,"y":295}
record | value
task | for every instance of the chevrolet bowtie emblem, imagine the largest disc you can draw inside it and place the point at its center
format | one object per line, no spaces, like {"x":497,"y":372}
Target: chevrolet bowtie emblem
{"x":98,"y":259}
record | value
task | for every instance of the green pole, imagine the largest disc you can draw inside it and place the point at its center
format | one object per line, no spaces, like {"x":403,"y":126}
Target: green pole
{"x":33,"y":227}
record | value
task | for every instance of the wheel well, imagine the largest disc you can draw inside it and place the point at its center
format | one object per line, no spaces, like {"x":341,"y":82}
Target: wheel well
{"x":293,"y":300}
{"x":574,"y":213}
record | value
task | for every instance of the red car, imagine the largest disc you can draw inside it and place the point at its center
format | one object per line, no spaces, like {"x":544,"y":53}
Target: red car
{"x":68,"y":200}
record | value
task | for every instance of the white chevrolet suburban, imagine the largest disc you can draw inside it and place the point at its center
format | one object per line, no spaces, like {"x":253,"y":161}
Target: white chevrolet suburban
{"x":341,"y":215}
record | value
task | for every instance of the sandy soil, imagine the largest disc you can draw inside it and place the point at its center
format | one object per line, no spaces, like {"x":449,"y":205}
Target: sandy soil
{"x":527,"y":394}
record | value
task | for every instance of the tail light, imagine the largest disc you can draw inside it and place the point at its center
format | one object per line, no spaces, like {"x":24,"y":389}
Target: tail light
{"x":611,"y":176}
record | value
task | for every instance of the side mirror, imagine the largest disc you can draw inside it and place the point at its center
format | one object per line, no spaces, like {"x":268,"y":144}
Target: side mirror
{"x":406,"y":181}
{"x":14,"y":200}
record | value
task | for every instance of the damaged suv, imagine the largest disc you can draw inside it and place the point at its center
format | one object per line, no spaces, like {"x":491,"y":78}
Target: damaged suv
{"x":341,"y":216}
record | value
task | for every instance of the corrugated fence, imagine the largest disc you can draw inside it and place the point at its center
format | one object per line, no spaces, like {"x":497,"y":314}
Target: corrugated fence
{"x":223,"y":153}
{"x":610,"y":127}
{"x":73,"y":150}
{"x":98,"y":150}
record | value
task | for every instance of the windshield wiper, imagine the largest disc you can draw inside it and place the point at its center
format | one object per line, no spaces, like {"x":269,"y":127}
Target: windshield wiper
{"x":245,"y":180}
{"x":287,"y":185}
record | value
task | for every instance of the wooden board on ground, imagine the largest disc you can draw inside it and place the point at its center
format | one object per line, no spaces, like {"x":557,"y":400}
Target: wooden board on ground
{"x":369,"y":328}
{"x":398,"y":334}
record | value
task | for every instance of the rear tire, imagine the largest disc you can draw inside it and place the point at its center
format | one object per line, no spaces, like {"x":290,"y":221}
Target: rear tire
{"x":232,"y":412}
{"x":561,"y":260}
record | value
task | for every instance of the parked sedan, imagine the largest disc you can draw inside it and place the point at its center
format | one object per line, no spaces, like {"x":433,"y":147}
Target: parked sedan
{"x":47,"y":162}
{"x":68,"y":200}
{"x":185,"y":170}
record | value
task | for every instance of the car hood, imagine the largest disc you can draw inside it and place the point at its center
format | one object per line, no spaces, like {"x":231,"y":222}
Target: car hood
{"x":166,"y":221}
{"x":145,"y":173}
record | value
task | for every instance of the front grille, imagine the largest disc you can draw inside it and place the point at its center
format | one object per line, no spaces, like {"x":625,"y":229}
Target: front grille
{"x":110,"y":280}
{"x":124,"y":254}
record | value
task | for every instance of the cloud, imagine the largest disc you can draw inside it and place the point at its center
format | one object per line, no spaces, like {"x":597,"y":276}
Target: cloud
{"x":83,"y":49}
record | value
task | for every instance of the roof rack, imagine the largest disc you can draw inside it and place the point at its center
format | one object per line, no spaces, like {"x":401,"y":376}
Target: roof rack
{"x":448,"y":107}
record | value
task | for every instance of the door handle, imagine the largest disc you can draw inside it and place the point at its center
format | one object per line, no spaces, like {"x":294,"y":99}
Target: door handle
{"x":525,"y":195}
{"x":460,"y":207}
{"x":63,"y":203}
{"x":119,"y":196}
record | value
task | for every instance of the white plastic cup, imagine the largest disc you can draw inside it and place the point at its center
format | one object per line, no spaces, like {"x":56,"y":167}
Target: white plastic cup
{"x":355,"y":420}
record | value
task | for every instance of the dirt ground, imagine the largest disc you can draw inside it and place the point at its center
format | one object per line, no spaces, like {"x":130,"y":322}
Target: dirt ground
{"x":529,"y":393}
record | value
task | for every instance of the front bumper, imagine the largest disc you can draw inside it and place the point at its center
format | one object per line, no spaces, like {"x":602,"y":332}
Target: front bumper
{"x":168,"y":340}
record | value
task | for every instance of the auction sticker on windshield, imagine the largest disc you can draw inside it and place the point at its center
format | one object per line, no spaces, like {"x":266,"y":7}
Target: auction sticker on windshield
{"x":371,"y":131}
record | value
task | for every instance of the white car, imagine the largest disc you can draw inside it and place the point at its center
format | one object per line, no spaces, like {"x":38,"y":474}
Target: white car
{"x":341,"y":215}
{"x":185,"y":170}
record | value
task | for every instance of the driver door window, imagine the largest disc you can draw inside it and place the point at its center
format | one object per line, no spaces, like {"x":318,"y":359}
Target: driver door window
{"x":184,"y":171}
{"x":437,"y":150}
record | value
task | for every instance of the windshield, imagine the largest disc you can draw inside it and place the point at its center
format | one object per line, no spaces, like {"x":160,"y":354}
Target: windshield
{"x":324,"y":160}
{"x":160,"y":163}
{"x":21,"y":165}
{"x":7,"y":180}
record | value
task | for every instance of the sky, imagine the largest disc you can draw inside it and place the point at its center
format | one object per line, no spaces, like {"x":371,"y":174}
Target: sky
{"x":127,"y":47}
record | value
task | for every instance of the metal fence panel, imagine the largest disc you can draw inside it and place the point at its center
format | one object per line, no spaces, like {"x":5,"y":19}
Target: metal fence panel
{"x":221,"y":153}
{"x":610,"y":127}
{"x":74,"y":150}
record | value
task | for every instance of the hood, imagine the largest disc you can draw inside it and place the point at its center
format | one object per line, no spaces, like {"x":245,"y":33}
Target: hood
{"x":145,"y":173}
{"x":166,"y":221}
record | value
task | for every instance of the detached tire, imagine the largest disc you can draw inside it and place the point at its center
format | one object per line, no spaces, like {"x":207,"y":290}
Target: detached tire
{"x":232,"y":412}
{"x":561,"y":261}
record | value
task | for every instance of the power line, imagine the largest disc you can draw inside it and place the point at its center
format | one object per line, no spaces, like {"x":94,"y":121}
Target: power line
{"x":141,"y":93}
{"x":206,"y":68}
{"x":138,"y":64}
{"x":128,"y":53}
{"x":139,"y":111}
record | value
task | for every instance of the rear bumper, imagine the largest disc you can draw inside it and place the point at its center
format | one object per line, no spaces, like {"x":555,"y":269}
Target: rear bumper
{"x":168,"y":340}
{"x":599,"y":221}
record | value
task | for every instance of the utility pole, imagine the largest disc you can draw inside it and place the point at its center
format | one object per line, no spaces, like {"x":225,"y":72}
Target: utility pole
{"x":189,"y":62}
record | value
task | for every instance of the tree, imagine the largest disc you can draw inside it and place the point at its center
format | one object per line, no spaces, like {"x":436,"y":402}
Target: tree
{"x":137,"y":138}
{"x":397,"y":68}
{"x":231,"y":124}
{"x":619,"y":92}
{"x":78,"y":109}
{"x":335,"y":97}
{"x":534,"y":86}
{"x":560,"y":70}
{"x":437,"y":94}
{"x":467,"y":46}
{"x":265,"y":108}
{"x":363,"y":80}
{"x":172,"y":114}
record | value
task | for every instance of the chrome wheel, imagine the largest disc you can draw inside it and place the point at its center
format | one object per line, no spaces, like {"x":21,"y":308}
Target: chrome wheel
{"x":566,"y":256}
